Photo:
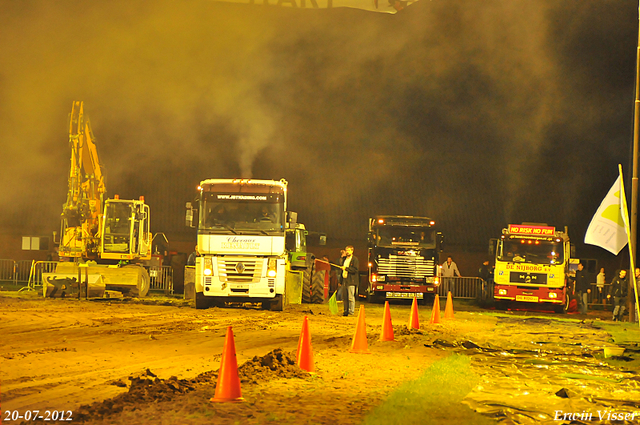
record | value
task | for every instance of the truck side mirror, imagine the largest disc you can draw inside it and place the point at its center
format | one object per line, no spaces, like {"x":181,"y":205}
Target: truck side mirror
{"x":572,"y":251}
{"x":370,"y":239}
{"x":492,"y":247}
{"x":293,"y":219}
{"x":440,"y":237}
{"x":323,"y":239}
{"x":189,"y":215}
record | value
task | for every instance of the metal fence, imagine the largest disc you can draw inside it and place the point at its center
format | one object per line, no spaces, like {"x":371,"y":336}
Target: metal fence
{"x":162,"y":279}
{"x":598,"y":297}
{"x":36,"y":270}
{"x":461,"y":287}
{"x":28,"y":274}
{"x":15,"y":272}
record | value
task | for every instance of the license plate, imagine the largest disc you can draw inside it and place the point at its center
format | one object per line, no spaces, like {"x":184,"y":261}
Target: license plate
{"x":404,"y":295}
{"x":527,"y":298}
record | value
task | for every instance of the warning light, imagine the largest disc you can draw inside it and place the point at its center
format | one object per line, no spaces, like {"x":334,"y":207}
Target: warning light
{"x":381,"y":221}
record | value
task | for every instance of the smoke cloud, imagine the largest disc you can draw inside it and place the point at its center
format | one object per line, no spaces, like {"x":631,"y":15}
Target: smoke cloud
{"x":474,"y":113}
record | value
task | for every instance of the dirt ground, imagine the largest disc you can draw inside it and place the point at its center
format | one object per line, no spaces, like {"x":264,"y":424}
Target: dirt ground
{"x":156,"y":361}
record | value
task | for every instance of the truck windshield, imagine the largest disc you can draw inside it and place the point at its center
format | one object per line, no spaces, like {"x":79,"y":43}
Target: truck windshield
{"x":418,"y":237}
{"x":531,"y":251}
{"x":247,"y":216}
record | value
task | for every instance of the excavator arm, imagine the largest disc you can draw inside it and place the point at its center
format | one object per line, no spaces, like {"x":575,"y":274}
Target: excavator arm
{"x":81,"y":213}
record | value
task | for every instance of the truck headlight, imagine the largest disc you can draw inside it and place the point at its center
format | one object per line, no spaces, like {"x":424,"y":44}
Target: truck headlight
{"x":208,"y":266}
{"x":553,"y":295}
{"x":374,"y":278}
{"x":502,"y":292}
{"x":272,"y":268}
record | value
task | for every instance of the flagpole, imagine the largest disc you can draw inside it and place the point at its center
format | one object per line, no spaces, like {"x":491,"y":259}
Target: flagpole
{"x":634,"y":170}
{"x":625,"y":218}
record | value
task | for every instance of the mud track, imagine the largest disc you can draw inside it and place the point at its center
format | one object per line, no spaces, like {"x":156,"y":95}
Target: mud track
{"x":145,"y":363}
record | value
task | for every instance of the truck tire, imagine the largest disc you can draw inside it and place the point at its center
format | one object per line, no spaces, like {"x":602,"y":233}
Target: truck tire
{"x":200,"y":301}
{"x":306,"y":283}
{"x":317,"y":287}
{"x":562,"y":309}
{"x":142,"y":280}
{"x":427,"y":298}
{"x":376,"y":297}
{"x":277,"y":304}
{"x":145,"y":283}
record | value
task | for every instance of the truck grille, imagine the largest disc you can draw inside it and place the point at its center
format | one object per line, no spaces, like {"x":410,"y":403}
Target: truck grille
{"x":409,"y":267}
{"x":532,"y":278}
{"x":239,"y":270}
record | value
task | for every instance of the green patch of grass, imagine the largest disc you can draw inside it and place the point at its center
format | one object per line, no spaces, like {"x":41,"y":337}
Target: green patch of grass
{"x":622,"y":332}
{"x":434,"y":398}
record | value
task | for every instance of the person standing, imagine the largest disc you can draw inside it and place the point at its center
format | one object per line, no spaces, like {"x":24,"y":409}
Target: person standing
{"x":350,"y":277}
{"x":583,"y":288}
{"x":619,"y":293}
{"x":484,"y":273}
{"x":450,"y":268}
{"x":449,"y":271}
{"x":600,"y":279}
{"x":191,"y":261}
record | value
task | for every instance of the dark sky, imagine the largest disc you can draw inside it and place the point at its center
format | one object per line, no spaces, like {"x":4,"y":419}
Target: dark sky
{"x":475,"y":113}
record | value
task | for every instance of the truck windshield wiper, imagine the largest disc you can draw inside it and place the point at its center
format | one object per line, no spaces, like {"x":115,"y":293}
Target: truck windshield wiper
{"x":230,"y":229}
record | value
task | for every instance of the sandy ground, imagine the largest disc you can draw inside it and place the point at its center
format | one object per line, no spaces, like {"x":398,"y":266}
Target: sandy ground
{"x":128,"y":362}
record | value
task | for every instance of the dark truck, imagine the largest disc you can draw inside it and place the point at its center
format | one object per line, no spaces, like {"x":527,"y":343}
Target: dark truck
{"x":403,"y":258}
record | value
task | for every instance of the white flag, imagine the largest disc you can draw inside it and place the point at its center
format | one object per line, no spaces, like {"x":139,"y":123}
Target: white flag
{"x":606,"y":229}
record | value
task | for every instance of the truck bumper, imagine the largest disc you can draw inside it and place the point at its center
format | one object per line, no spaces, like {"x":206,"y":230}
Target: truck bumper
{"x":529,"y":295}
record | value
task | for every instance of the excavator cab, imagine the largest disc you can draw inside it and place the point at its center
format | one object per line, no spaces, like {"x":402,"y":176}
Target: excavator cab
{"x":125,"y":234}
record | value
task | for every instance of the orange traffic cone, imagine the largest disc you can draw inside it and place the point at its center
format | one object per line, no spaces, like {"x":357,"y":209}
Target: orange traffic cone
{"x":414,"y":323}
{"x":304,"y":356}
{"x":448,"y":309}
{"x":359,"y":343}
{"x":435,"y":313}
{"x":228,"y":385}
{"x":387,"y":326}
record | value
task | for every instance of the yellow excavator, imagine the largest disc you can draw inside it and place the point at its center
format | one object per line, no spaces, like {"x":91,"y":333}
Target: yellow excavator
{"x":103,"y":243}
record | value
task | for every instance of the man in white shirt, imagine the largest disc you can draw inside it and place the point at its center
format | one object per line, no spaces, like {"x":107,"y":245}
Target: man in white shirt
{"x":450,"y":268}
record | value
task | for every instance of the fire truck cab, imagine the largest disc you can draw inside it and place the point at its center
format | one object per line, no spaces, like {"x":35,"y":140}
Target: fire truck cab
{"x":532,"y":265}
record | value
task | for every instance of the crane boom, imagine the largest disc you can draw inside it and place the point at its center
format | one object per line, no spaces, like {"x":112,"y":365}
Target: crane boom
{"x":81,"y":213}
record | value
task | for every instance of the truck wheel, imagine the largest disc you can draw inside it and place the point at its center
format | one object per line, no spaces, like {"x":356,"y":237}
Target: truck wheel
{"x":277,"y":304}
{"x":376,"y":298}
{"x":501,"y":305}
{"x":562,"y":309}
{"x":317,"y":289}
{"x":427,"y":299}
{"x":201,"y":301}
{"x":145,"y":283}
{"x":306,"y":283}
{"x":142,"y":281}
